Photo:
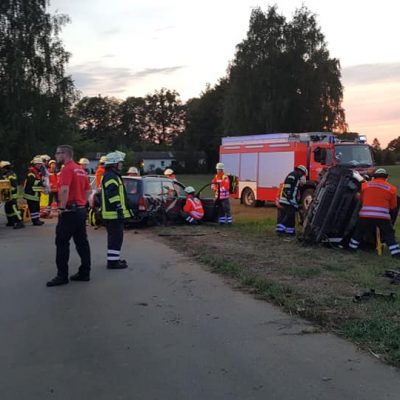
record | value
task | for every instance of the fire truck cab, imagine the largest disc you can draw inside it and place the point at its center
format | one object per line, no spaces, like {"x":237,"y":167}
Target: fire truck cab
{"x":261,"y":162}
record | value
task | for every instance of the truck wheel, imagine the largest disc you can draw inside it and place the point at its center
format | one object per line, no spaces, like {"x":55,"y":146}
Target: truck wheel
{"x":248,"y":198}
{"x":306,"y":199}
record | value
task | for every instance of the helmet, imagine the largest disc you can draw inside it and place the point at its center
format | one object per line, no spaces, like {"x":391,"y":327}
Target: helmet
{"x":381,"y":173}
{"x":168,"y":171}
{"x":114,"y":158}
{"x":102,"y":159}
{"x":37,"y":160}
{"x":45,"y":157}
{"x":84,"y":161}
{"x":189,"y":189}
{"x":52,"y":162}
{"x":220,"y":165}
{"x":303,"y":169}
{"x":4,"y":164}
{"x":133,"y":170}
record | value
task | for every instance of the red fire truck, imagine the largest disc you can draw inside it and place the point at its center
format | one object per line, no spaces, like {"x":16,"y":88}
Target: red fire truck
{"x":261,"y":162}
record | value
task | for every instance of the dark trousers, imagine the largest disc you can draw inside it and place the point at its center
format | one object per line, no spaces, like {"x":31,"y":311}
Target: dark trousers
{"x":53,"y":197}
{"x":225,"y":216}
{"x":115,"y":237}
{"x":286,"y":220}
{"x":72,"y":224}
{"x":369,"y":225}
{"x":34,"y":209}
{"x":12,"y":212}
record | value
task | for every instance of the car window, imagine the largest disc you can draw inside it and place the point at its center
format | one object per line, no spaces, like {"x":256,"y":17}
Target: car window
{"x":131,"y":185}
{"x":152,"y":188}
{"x":168,"y":188}
{"x":180,"y":190}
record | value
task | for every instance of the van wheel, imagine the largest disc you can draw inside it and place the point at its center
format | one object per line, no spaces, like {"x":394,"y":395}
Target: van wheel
{"x":307,"y":198}
{"x":248,"y":198}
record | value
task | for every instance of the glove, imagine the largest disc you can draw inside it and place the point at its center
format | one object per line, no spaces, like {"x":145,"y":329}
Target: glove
{"x":120,"y":213}
{"x":357,"y":176}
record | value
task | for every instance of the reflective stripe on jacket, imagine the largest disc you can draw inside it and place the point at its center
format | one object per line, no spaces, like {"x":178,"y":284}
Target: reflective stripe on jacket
{"x":12,"y":177}
{"x":290,"y":189}
{"x":221,"y":185}
{"x":33,"y":186}
{"x":113,"y":196}
{"x":194,"y":207}
{"x":378,"y":197}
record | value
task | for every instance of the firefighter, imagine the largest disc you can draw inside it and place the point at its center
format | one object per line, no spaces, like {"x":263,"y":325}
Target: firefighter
{"x":378,"y":205}
{"x":114,"y":208}
{"x":221,"y":185}
{"x":84,"y":163}
{"x":193,"y":210}
{"x":53,"y":182}
{"x":13,"y":214}
{"x":288,"y":200}
{"x":32,"y":189}
{"x":73,"y":195}
{"x":169,"y":173}
{"x":100,"y":171}
{"x":133,"y":171}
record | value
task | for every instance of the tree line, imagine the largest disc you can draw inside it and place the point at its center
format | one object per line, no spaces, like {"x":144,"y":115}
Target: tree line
{"x":281,"y":79}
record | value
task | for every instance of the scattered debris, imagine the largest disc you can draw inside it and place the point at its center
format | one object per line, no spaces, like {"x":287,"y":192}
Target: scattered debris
{"x":369,"y":294}
{"x":393,"y":275}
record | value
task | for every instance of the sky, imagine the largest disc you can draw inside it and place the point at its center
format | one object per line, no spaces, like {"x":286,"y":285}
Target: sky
{"x":127,"y":48}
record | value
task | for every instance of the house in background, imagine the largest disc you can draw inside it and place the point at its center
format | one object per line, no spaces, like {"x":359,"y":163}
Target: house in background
{"x":155,"y":161}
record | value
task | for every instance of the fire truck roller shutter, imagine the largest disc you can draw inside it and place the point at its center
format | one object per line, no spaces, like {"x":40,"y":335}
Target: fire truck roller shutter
{"x":231,"y":162}
{"x":273,"y":167}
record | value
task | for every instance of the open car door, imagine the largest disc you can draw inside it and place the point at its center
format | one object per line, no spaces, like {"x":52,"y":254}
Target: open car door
{"x":211,"y":205}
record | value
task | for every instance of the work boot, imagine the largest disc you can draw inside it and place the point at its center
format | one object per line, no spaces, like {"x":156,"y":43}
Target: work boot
{"x":78,"y":277}
{"x":9,"y":223}
{"x":19,"y":225}
{"x":37,"y":222}
{"x":120,"y":264}
{"x":57,"y":281}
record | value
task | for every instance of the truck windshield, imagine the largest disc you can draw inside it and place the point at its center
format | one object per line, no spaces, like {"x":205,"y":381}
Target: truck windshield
{"x":355,"y":155}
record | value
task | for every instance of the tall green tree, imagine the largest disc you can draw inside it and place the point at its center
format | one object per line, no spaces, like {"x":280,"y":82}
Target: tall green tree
{"x":165,"y":116}
{"x":35,"y":93}
{"x":282,"y":78}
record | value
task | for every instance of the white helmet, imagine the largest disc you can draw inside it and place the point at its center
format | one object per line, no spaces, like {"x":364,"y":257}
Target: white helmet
{"x":168,"y":171}
{"x":4,"y":164}
{"x":102,"y":159}
{"x":45,"y":157}
{"x":381,"y":173}
{"x":84,"y":161}
{"x":114,"y":158}
{"x":189,"y":189}
{"x":52,"y":162}
{"x":303,"y":169}
{"x":220,"y":165}
{"x":37,"y":160}
{"x":133,"y":170}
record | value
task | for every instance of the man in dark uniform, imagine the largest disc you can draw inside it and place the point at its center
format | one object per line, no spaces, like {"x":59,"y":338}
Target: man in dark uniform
{"x":114,"y":208}
{"x":288,"y":200}
{"x":13,"y":214}
{"x":73,"y":195}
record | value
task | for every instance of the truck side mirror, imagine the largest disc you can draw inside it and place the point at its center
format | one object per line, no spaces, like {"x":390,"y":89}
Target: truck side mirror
{"x":320,"y":155}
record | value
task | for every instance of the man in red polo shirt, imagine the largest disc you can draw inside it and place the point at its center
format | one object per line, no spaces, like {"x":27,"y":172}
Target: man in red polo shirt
{"x":73,"y":194}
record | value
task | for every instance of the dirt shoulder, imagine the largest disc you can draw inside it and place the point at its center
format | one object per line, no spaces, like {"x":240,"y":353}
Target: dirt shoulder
{"x":314,"y":282}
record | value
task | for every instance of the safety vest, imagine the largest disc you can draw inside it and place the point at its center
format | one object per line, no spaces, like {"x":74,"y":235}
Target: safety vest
{"x":53,"y":181}
{"x":33,"y":185}
{"x":221,"y":185}
{"x":378,"y":197}
{"x":99,"y":175}
{"x":194,"y":207}
{"x":113,"y":196}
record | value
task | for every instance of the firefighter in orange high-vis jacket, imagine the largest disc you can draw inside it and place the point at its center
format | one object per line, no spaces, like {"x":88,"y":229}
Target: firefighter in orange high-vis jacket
{"x":193,"y":210}
{"x":100,"y":172}
{"x":53,"y":181}
{"x":221,"y":184}
{"x":378,"y":202}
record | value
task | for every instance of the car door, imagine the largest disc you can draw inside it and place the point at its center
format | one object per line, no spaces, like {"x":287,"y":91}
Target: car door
{"x":210,"y":204}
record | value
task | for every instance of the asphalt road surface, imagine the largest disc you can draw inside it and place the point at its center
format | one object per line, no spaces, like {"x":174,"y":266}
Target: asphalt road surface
{"x":163,"y":329}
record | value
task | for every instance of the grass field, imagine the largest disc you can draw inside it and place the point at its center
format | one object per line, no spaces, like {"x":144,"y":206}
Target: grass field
{"x":317,"y":283}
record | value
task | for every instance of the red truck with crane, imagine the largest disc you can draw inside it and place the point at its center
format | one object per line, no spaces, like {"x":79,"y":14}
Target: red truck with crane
{"x":261,"y":162}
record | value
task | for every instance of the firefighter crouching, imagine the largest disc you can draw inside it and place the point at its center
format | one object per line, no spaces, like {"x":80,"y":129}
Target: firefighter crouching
{"x":114,"y":208}
{"x":288,"y":200}
{"x":378,"y":201}
{"x":220,"y":185}
{"x":13,"y":214}
{"x":193,"y":210}
{"x":32,"y":189}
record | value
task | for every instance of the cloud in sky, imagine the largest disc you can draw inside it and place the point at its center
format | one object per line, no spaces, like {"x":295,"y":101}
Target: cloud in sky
{"x":94,"y":78}
{"x":372,"y":100}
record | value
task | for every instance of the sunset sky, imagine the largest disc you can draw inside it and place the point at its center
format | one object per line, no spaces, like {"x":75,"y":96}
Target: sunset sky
{"x":133,"y":47}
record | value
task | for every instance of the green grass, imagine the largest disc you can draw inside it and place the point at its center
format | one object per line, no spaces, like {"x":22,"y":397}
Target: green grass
{"x":197,"y":181}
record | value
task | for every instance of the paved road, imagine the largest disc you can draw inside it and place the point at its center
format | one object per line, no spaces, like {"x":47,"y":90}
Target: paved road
{"x":163,"y":329}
